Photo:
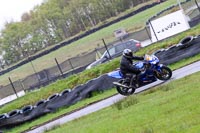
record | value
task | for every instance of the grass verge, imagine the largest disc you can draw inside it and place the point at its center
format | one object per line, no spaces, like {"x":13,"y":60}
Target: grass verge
{"x":172,"y":107}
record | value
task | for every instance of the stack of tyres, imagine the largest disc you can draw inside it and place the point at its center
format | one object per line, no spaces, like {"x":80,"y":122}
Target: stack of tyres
{"x":26,"y":112}
{"x":53,"y":100}
{"x":3,"y":117}
{"x":65,"y":98}
{"x":39,"y":108}
{"x":16,"y":117}
{"x":57,"y":100}
{"x":13,"y":118}
{"x":187,"y":47}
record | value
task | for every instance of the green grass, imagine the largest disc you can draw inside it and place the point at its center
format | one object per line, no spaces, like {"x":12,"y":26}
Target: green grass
{"x":85,"y":44}
{"x":170,"y":108}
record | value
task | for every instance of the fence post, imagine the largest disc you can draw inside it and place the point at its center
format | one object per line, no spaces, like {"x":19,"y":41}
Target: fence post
{"x":22,"y":85}
{"x":106,"y":48}
{"x":197,"y":5}
{"x":97,"y":53}
{"x":13,"y":87}
{"x":148,"y":33}
{"x":153,"y":29}
{"x":59,"y":67}
{"x":34,"y":69}
{"x":71,"y":65}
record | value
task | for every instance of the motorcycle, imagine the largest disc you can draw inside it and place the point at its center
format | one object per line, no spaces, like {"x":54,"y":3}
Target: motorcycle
{"x":151,"y":70}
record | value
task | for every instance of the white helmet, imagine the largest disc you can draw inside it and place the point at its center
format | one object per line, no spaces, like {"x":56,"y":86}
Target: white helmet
{"x":127,"y":53}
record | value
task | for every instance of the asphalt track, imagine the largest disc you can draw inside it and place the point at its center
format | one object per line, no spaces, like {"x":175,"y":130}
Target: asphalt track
{"x":177,"y":74}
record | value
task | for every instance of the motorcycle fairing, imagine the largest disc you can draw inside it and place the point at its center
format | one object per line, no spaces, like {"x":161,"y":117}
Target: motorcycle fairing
{"x":115,"y":74}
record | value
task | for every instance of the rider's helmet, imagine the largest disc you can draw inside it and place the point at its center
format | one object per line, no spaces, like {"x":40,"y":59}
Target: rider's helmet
{"x":127,"y":53}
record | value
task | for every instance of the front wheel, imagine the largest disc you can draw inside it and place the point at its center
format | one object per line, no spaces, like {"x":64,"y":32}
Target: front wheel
{"x":123,"y":90}
{"x":164,"y":74}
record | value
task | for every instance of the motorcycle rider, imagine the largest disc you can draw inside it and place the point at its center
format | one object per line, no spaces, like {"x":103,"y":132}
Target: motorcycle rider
{"x":127,"y":68}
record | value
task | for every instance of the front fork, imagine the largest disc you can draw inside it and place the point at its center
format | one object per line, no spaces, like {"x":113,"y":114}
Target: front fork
{"x":158,"y":70}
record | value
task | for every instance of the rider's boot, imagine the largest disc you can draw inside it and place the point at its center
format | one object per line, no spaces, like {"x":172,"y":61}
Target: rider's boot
{"x":133,"y":82}
{"x":135,"y":79}
{"x":127,"y":81}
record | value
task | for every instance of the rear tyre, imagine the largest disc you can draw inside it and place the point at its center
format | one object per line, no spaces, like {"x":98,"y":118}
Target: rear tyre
{"x":124,"y":91}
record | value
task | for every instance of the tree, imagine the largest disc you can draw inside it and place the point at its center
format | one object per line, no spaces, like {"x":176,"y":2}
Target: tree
{"x":54,"y":21}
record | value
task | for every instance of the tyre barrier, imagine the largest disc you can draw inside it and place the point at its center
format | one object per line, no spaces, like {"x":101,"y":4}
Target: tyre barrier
{"x":39,"y":108}
{"x":40,"y":103}
{"x":65,"y":92}
{"x":27,"y":109}
{"x":52,"y":97}
{"x":3,"y":117}
{"x":197,"y":36}
{"x":158,"y":51}
{"x":64,"y":99}
{"x":52,"y":101}
{"x":26,"y":113}
{"x":187,"y":47}
{"x":13,"y":118}
{"x":13,"y":113}
{"x":187,"y":41}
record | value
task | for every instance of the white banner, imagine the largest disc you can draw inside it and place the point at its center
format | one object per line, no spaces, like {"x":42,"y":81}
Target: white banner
{"x":168,"y":25}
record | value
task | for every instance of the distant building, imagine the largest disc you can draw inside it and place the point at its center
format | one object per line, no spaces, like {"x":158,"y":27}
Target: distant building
{"x":120,"y":33}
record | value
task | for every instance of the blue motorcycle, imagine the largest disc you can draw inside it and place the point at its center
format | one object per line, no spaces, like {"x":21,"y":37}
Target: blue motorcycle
{"x":151,"y":70}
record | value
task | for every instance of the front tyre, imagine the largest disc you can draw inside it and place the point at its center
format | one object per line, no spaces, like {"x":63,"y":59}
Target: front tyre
{"x":165,"y":73}
{"x":124,"y":91}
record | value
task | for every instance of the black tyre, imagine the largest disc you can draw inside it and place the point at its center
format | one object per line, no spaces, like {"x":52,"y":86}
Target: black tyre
{"x":39,"y":103}
{"x":187,"y":41}
{"x":27,"y":109}
{"x":124,"y":91}
{"x":165,"y":73}
{"x":52,"y":97}
{"x":158,"y":51}
{"x":3,"y":116}
{"x":65,"y":92}
{"x":13,"y":113}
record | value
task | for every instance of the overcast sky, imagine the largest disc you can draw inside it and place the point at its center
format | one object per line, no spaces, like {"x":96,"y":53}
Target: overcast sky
{"x":13,"y":9}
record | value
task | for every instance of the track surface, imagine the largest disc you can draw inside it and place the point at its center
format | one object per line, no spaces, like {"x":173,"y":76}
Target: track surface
{"x":177,"y":74}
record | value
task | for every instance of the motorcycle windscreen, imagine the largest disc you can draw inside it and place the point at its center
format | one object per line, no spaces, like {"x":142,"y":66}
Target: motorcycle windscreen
{"x":115,"y":74}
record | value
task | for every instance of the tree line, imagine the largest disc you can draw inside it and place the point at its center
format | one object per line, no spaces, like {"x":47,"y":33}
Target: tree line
{"x":54,"y":21}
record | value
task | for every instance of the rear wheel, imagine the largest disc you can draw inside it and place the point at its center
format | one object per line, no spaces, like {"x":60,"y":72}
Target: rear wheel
{"x":164,"y":74}
{"x":123,"y":90}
